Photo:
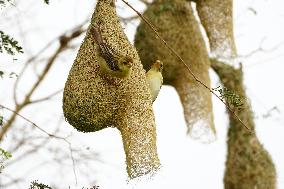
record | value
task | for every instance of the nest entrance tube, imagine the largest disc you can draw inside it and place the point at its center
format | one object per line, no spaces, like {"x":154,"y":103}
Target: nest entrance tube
{"x":93,"y":100}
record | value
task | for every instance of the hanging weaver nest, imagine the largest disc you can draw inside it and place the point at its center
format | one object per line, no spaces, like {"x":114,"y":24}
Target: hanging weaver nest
{"x":248,"y":164}
{"x":93,"y":100}
{"x":176,"y":23}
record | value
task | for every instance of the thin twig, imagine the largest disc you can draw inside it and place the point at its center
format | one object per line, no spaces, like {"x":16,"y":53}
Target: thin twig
{"x":63,"y":45}
{"x":46,"y":97}
{"x":27,"y":153}
{"x":183,"y":62}
{"x":75,"y":32}
{"x":35,"y":125}
{"x":261,"y":49}
{"x":73,"y":163}
{"x":50,"y":135}
{"x":26,"y":65}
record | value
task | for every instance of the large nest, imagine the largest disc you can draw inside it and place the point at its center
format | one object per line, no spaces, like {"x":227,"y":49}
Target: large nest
{"x":248,"y":164}
{"x":176,"y":23}
{"x":93,"y":101}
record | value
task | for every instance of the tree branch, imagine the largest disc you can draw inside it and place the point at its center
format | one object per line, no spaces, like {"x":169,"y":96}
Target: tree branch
{"x":49,"y":134}
{"x":63,"y":44}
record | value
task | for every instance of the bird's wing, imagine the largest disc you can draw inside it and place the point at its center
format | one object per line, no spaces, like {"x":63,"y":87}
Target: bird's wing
{"x":109,"y":56}
{"x":106,"y":51}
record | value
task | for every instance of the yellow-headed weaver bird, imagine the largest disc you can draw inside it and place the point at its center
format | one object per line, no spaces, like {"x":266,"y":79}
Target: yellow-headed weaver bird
{"x":155,"y":78}
{"x":117,"y":65}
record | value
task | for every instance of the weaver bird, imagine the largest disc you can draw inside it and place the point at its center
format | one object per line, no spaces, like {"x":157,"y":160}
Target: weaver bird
{"x":117,"y":65}
{"x":155,"y":78}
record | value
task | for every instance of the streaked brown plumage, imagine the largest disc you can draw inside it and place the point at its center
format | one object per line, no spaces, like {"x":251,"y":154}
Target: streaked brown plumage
{"x":116,"y":64}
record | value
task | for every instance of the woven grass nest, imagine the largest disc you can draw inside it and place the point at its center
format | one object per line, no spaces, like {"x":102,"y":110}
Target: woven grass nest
{"x":176,"y":23}
{"x":93,"y":101}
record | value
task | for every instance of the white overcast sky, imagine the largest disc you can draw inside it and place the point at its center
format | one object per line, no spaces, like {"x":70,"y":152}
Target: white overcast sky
{"x":186,"y":163}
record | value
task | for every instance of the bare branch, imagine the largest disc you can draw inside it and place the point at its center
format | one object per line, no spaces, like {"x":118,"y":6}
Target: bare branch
{"x":32,"y":123}
{"x":63,"y":40}
{"x":48,"y":97}
{"x":33,"y":58}
{"x":49,"y":134}
{"x":28,"y":152}
{"x":261,"y":49}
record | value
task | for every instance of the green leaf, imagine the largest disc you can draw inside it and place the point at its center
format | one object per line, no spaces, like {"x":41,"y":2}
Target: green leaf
{"x":36,"y":185}
{"x":6,"y":154}
{"x":9,"y":45}
{"x":13,"y":74}
{"x":1,"y":120}
{"x":46,"y":1}
{"x":1,"y":74}
{"x":231,"y":97}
